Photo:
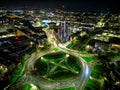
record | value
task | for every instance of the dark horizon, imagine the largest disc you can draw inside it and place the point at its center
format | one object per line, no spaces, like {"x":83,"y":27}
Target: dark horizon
{"x":74,"y":5}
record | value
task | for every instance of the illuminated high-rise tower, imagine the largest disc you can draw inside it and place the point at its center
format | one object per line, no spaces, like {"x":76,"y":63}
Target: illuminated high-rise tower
{"x":63,"y":32}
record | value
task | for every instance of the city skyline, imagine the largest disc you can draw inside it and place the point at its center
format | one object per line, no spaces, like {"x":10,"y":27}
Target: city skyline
{"x":43,"y":41}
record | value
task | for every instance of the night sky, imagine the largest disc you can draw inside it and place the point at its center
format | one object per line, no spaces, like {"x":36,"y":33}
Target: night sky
{"x":82,"y":5}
